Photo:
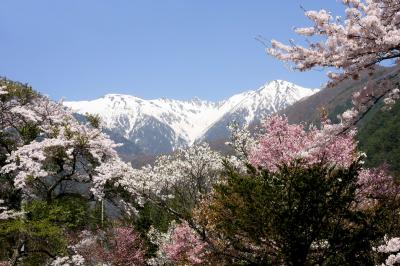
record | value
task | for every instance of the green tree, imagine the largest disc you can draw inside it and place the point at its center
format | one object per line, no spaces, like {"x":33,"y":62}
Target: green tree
{"x":294,"y":216}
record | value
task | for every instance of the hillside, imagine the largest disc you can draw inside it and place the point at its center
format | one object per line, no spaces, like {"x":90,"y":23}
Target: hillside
{"x":379,"y":138}
{"x":334,"y":100}
{"x":378,"y":132}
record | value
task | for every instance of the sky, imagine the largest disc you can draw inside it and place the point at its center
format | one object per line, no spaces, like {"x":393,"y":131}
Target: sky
{"x":181,"y":49}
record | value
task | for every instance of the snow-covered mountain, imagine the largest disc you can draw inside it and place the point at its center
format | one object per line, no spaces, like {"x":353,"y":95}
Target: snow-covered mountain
{"x":162,"y":125}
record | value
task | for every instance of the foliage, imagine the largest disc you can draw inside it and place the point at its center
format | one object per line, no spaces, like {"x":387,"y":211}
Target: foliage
{"x":38,"y":236}
{"x":380,"y":139}
{"x":94,"y":120}
{"x":293,"y":216}
{"x":152,"y":217}
{"x":310,"y":200}
{"x":68,"y":213}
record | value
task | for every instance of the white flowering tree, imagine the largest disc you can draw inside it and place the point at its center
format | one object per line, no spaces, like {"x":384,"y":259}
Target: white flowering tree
{"x":368,"y":36}
{"x":174,"y":185}
{"x":15,"y":130}
{"x":178,"y":181}
{"x":63,"y":151}
{"x":240,"y":140}
{"x":45,"y":155}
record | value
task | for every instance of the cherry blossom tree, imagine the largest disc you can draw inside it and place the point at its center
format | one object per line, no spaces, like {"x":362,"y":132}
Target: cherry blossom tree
{"x":241,"y":140}
{"x":119,"y":245}
{"x":124,"y":247}
{"x":377,"y":185}
{"x":175,"y":182}
{"x":15,"y":130}
{"x":196,"y":169}
{"x":282,"y":143}
{"x":180,"y":245}
{"x":63,"y":151}
{"x":303,"y":161}
{"x":367,"y":36}
{"x":47,"y":154}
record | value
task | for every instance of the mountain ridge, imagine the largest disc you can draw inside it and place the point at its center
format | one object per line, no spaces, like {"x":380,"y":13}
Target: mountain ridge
{"x":163,"y":125}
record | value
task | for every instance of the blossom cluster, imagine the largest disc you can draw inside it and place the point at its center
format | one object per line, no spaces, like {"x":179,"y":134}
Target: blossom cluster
{"x":195,"y":168}
{"x":283,"y":143}
{"x":64,"y":149}
{"x":117,"y":246}
{"x":6,"y":214}
{"x":369,"y":34}
{"x":75,"y":260}
{"x":391,"y":247}
{"x":181,"y":244}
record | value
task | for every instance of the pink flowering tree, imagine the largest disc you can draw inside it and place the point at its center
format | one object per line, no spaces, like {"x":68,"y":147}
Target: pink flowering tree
{"x":283,"y":144}
{"x":365,"y":37}
{"x":307,"y":200}
{"x":119,"y":245}
{"x":185,"y":245}
{"x":124,"y":247}
{"x":179,"y":245}
{"x":377,"y":185}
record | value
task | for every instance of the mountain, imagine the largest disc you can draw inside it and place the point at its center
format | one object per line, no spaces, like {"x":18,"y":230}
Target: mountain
{"x":163,"y":125}
{"x":270,"y":98}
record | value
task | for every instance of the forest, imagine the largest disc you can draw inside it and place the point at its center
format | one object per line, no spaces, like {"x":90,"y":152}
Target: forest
{"x":325,"y":193}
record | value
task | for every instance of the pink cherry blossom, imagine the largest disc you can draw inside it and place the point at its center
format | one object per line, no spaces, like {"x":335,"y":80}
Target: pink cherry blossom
{"x":368,"y":35}
{"x":185,"y":245}
{"x":283,"y":143}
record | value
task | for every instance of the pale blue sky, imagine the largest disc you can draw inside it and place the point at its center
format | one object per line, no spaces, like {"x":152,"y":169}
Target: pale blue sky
{"x":83,"y":49}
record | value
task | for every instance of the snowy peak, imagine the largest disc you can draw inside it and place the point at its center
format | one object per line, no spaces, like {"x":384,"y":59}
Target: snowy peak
{"x":283,"y":91}
{"x":183,"y":122}
{"x":125,"y":112}
{"x":252,"y":106}
{"x":269,"y":98}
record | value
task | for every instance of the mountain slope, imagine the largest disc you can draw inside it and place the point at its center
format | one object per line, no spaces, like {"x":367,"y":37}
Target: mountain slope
{"x":334,"y":100}
{"x":379,"y":138}
{"x":379,"y":131}
{"x":163,"y":125}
